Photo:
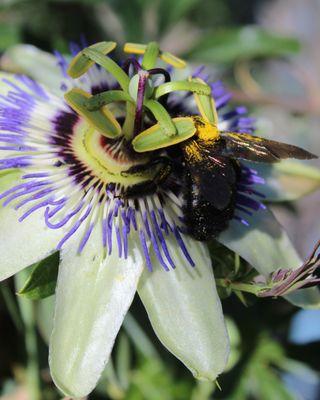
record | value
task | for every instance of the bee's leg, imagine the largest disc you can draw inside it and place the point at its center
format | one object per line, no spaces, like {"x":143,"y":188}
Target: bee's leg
{"x":140,"y":189}
{"x":141,"y":169}
{"x":150,"y":186}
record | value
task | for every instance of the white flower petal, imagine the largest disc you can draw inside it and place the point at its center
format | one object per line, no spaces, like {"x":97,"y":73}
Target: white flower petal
{"x":264,"y":244}
{"x":22,"y":243}
{"x":267,"y":247}
{"x":286,"y":181}
{"x":305,"y":298}
{"x":4,"y":88}
{"x":29,"y":60}
{"x":92,"y":297}
{"x":185,"y":310}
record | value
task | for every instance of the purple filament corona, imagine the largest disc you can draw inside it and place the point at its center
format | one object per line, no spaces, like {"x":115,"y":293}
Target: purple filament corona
{"x":36,"y":128}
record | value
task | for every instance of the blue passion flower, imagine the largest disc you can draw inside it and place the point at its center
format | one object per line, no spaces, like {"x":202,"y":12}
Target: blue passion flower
{"x":105,"y":169}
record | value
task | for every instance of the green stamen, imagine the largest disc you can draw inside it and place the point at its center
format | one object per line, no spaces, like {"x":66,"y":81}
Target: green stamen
{"x":109,"y":65}
{"x":162,"y":116}
{"x":137,"y":48}
{"x":153,"y":138}
{"x":151,"y":55}
{"x":206,"y":104}
{"x":167,"y":131}
{"x":134,"y":48}
{"x":195,"y":87}
{"x":103,"y":120}
{"x":110,"y":96}
{"x":81,"y":63}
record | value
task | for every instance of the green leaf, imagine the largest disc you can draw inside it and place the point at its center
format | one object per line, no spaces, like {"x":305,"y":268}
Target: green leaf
{"x":178,"y":10}
{"x":44,"y":317}
{"x":288,"y":180}
{"x":9,"y":34}
{"x":139,"y":337}
{"x":271,"y":386}
{"x":229,"y":45}
{"x":42,"y":280}
{"x":260,"y":378}
{"x":235,"y":343}
{"x":123,"y":356}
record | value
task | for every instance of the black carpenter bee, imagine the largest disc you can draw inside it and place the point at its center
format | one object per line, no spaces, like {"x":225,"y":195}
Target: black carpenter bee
{"x":209,"y":170}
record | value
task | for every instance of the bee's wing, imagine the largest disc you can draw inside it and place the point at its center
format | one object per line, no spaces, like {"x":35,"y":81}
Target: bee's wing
{"x":253,"y":148}
{"x":214,"y":176}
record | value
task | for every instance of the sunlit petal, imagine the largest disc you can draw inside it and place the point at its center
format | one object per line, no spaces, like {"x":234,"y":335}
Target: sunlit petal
{"x":21,"y":243}
{"x":92,"y":297}
{"x":185,"y":311}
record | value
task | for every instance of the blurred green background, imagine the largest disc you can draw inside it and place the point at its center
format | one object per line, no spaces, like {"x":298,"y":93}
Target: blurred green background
{"x":267,"y":53}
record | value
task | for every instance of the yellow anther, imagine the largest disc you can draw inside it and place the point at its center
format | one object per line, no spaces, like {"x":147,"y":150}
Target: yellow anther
{"x":137,"y":48}
{"x":134,"y":48}
{"x":173,"y":60}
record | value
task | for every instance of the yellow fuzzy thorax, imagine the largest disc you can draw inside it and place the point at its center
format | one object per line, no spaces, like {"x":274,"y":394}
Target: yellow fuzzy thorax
{"x":206,"y":134}
{"x":206,"y":131}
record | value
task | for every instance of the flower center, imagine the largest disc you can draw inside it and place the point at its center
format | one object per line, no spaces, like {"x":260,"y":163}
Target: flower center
{"x":107,"y":159}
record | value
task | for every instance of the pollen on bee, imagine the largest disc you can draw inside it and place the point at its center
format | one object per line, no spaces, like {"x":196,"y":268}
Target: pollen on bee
{"x":205,"y":130}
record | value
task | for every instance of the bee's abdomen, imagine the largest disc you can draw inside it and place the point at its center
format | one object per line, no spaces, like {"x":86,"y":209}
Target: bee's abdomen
{"x":202,"y":219}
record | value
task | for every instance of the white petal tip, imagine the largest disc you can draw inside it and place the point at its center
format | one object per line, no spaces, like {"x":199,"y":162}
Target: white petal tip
{"x":69,"y":389}
{"x":205,"y":376}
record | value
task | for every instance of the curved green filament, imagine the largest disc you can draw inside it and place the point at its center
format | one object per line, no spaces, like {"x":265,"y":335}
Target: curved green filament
{"x":99,"y":100}
{"x":169,"y":87}
{"x":206,"y":105}
{"x":110,"y":65}
{"x":151,"y":55}
{"x":162,"y":116}
{"x":154,"y":139}
{"x":110,"y":96}
{"x":103,"y":120}
{"x":81,"y":63}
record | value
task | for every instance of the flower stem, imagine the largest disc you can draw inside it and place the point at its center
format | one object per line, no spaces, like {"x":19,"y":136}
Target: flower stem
{"x":9,"y":300}
{"x":242,"y":287}
{"x":28,"y":316}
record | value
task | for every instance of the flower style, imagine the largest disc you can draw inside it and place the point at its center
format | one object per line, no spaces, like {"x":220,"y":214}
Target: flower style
{"x":84,"y":170}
